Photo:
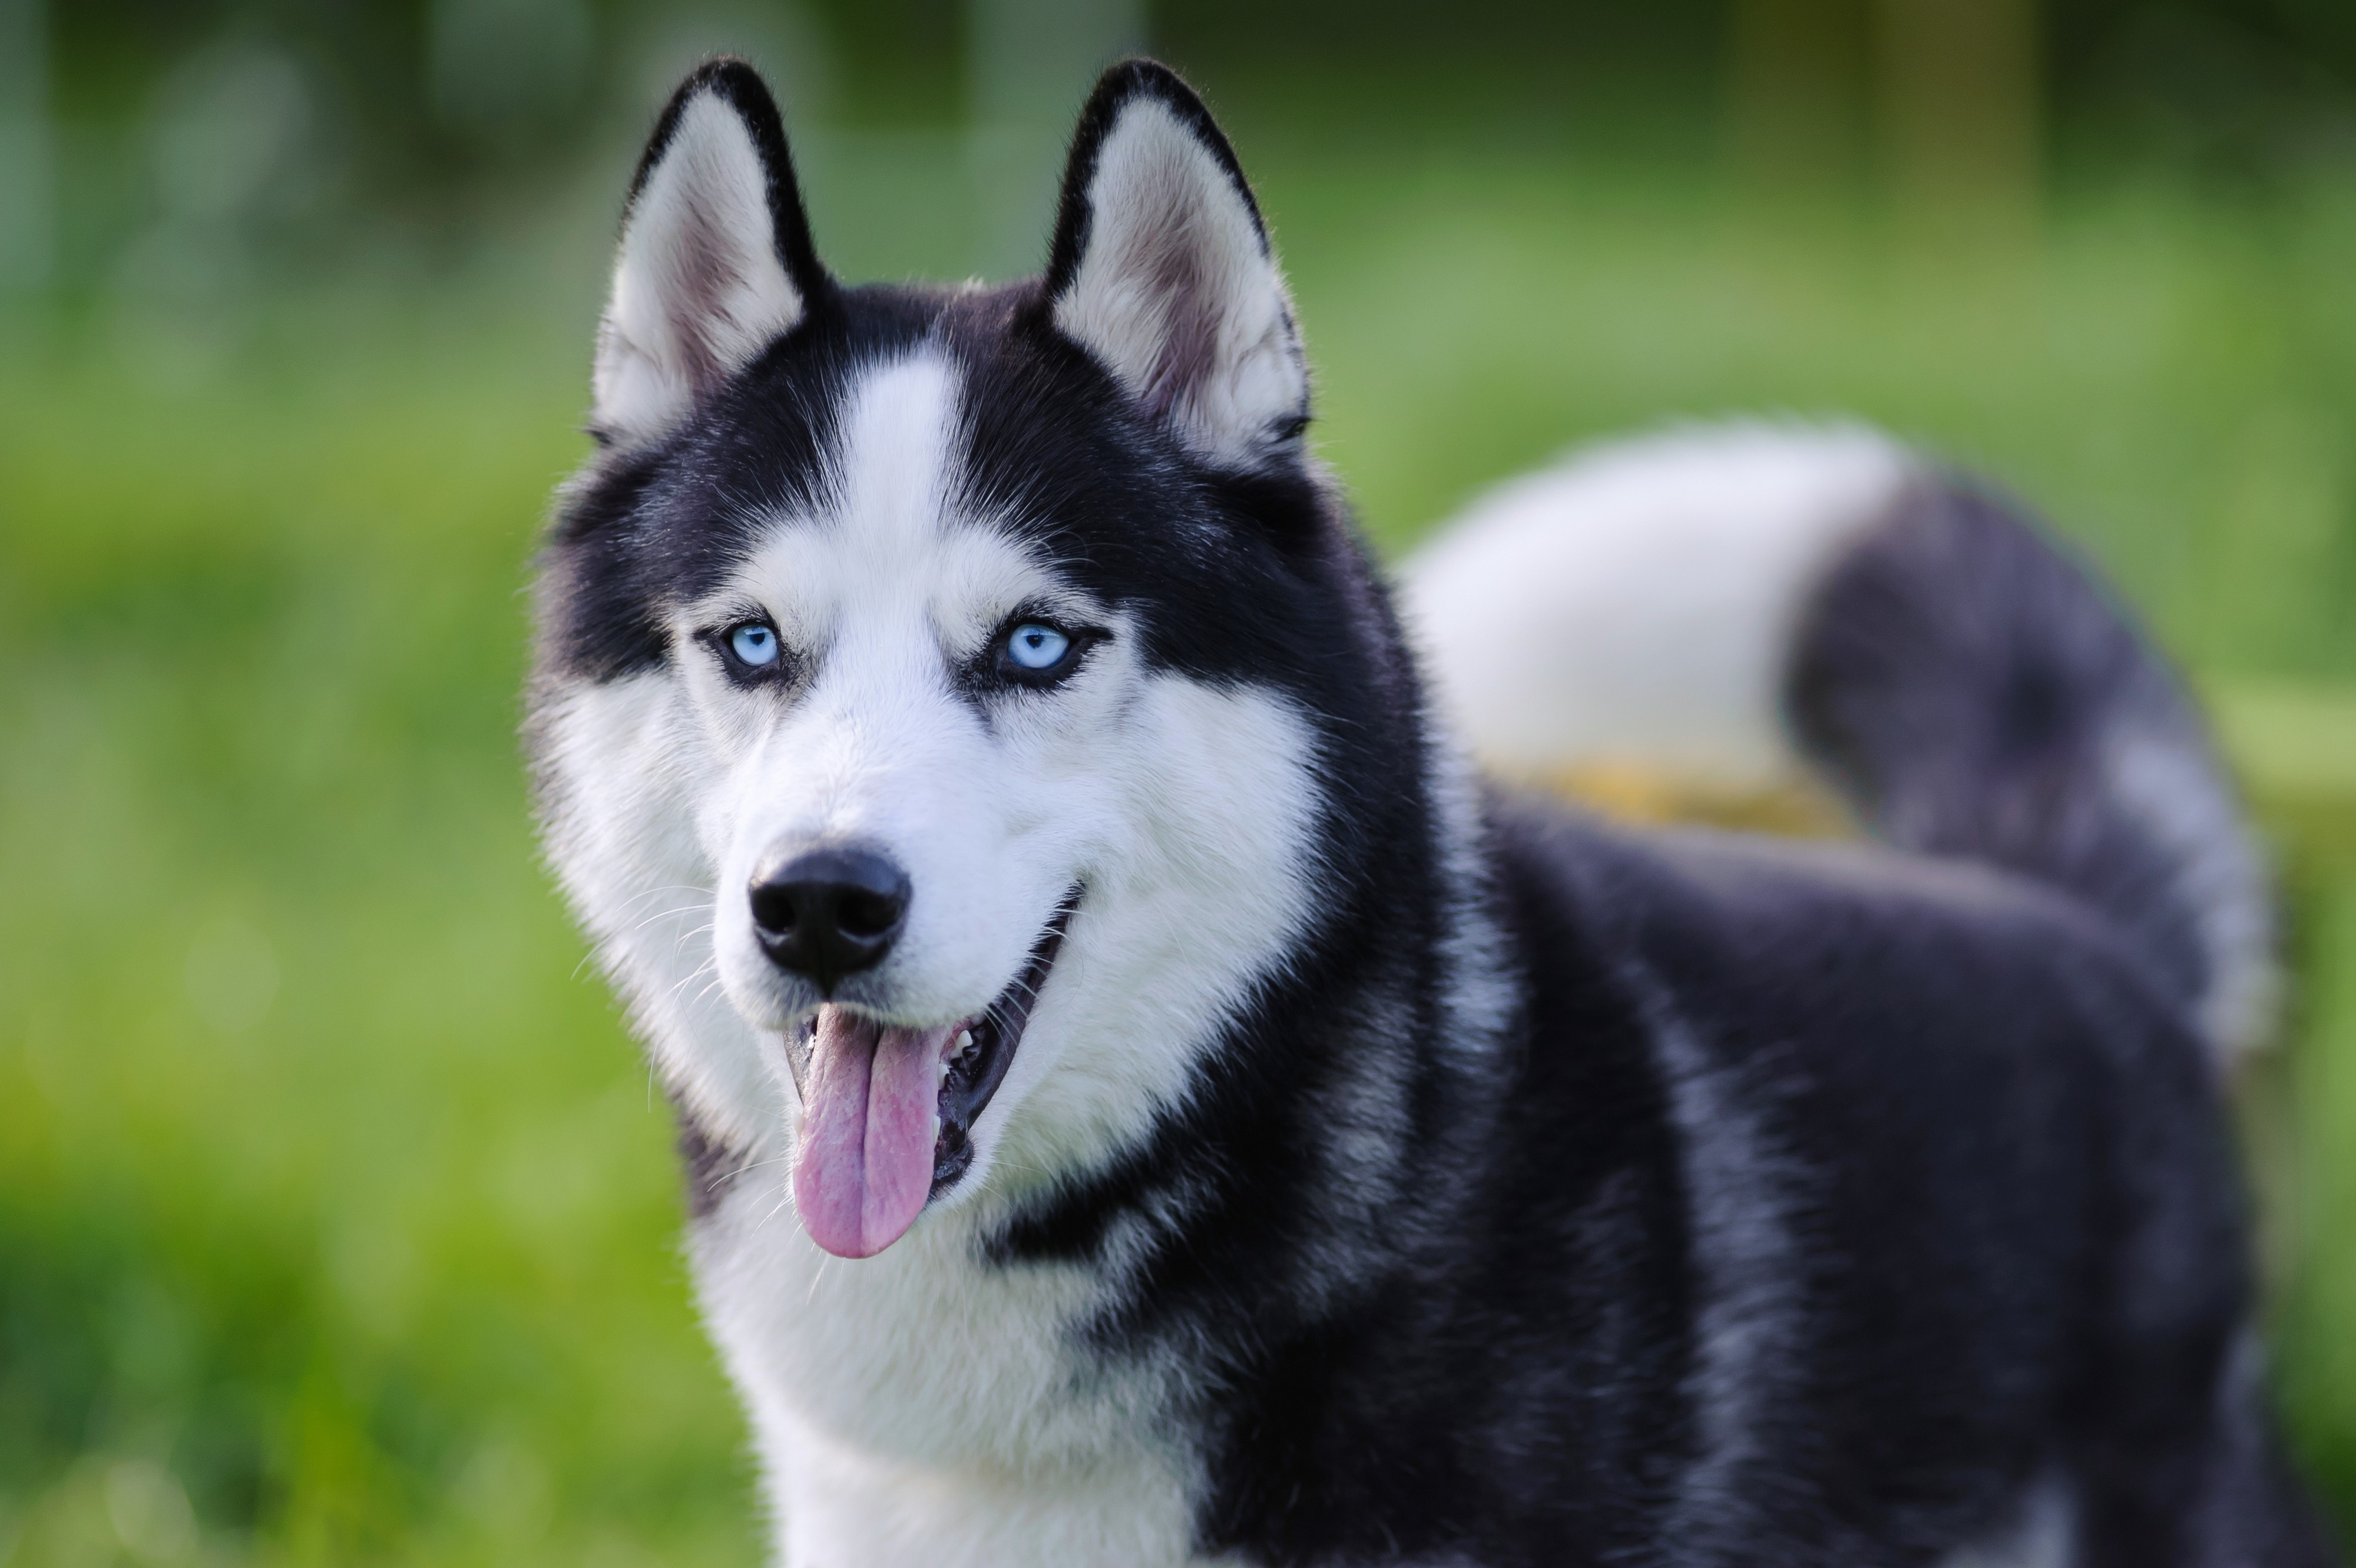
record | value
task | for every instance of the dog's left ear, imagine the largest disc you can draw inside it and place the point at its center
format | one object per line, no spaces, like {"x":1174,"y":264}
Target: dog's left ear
{"x":1162,"y":270}
{"x":716,"y":260}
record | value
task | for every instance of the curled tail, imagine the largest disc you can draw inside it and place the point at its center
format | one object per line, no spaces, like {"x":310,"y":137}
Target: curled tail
{"x":1749,"y":606}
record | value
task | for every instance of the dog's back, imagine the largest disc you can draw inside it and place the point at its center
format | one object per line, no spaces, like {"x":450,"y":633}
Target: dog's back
{"x":1966,"y":1246}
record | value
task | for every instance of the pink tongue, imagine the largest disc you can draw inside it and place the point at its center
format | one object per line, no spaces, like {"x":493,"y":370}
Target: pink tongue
{"x":870,"y":1104}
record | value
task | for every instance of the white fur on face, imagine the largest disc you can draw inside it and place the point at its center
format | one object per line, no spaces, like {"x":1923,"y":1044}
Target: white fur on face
{"x":1177,"y":293}
{"x":697,"y":288}
{"x":1179,"y":808}
{"x":883,"y":598}
{"x":1185,"y":811}
{"x":622,"y":762}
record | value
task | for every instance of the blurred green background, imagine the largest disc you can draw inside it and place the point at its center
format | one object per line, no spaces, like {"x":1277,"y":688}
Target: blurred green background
{"x":337,"y":1219}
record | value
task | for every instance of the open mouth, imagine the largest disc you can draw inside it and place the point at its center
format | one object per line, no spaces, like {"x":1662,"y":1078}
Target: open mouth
{"x":888,"y":1111}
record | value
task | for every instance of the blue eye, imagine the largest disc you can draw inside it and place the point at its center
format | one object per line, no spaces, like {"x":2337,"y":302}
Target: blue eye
{"x":753,"y":644}
{"x":1036,"y":647}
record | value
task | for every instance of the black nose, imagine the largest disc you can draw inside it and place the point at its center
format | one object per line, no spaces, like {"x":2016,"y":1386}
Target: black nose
{"x":826,"y":913}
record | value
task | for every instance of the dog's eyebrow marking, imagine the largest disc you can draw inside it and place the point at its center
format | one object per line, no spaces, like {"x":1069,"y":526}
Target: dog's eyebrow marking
{"x":899,"y":531}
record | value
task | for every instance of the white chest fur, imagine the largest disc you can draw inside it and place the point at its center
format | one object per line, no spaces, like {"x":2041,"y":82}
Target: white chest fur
{"x":923,"y":1407}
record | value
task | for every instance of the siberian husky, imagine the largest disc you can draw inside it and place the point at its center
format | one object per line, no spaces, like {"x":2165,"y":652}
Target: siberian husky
{"x":1147,"y":1102}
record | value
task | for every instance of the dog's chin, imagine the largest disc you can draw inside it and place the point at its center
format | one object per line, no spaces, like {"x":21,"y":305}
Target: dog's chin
{"x":889,"y":1109}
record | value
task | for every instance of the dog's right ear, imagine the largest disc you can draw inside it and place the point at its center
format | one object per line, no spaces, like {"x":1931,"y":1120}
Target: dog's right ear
{"x":716,"y":260}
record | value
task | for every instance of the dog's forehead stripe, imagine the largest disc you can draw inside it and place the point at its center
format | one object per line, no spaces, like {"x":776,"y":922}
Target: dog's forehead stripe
{"x":894,"y":464}
{"x":893,"y":538}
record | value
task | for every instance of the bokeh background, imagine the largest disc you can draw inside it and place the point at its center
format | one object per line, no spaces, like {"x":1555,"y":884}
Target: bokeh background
{"x":337,"y":1219}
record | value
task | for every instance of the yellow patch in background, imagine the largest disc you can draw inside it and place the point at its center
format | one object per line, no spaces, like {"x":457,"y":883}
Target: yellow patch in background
{"x":1633,"y":792}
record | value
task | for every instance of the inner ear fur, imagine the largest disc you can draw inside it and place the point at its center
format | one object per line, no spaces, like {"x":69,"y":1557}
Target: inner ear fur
{"x":715,"y":260}
{"x":1161,"y":267}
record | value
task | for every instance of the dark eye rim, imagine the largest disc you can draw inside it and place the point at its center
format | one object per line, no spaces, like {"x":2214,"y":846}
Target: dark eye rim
{"x":999,"y":655}
{"x":721,"y":639}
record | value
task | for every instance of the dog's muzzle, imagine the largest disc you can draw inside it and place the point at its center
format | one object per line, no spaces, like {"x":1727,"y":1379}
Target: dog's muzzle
{"x":888,"y":1110}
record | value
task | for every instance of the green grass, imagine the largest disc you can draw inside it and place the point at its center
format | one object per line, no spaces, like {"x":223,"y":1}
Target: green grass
{"x":329,"y":1181}
{"x":337,"y":1223}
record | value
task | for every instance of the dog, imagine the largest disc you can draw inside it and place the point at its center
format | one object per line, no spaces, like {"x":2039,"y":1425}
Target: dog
{"x":1147,"y":1100}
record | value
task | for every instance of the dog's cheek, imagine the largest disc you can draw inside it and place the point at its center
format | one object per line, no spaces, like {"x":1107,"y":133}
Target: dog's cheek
{"x":1073,"y":754}
{"x":983,"y":885}
{"x":734,"y":722}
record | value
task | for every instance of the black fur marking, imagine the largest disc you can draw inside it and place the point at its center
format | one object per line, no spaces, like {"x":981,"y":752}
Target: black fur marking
{"x":708,"y":1165}
{"x":1050,"y":440}
{"x":2013,"y":1237}
{"x":643,"y":532}
{"x":1974,"y":692}
{"x":1227,"y":580}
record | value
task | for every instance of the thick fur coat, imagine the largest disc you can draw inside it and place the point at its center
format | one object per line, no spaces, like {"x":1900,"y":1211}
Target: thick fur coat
{"x":1148,"y":1102}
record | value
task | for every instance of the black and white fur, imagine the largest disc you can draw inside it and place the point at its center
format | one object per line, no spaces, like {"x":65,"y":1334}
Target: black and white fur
{"x":1389,"y":1170}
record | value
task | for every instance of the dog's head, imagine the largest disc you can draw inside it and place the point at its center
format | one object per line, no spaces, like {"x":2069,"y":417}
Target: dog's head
{"x":933,"y":683}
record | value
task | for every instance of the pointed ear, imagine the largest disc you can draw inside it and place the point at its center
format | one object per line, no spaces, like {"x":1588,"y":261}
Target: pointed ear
{"x":1162,"y":270}
{"x":715,"y":261}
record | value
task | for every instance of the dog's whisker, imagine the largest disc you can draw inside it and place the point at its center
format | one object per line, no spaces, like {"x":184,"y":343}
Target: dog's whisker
{"x":709,"y":966}
{"x":673,"y":914}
